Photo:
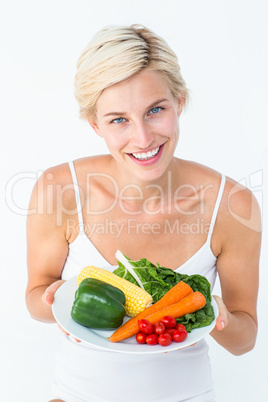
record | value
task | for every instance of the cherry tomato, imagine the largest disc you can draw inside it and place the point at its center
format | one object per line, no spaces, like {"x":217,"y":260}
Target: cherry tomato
{"x":170,"y":331}
{"x":152,"y":339}
{"x":179,"y":335}
{"x":180,"y":326}
{"x":141,"y":337}
{"x":145,"y":326}
{"x":169,"y":322}
{"x":159,"y":328}
{"x":164,"y":339}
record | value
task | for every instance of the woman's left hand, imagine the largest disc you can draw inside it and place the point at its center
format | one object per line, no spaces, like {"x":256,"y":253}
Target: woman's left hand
{"x":222,"y":319}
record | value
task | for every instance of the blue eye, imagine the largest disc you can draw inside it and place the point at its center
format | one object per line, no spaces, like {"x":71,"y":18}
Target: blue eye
{"x":118,"y":121}
{"x":155,"y":110}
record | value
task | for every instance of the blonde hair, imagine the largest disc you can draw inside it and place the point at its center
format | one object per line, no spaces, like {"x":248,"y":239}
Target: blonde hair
{"x":116,"y":54}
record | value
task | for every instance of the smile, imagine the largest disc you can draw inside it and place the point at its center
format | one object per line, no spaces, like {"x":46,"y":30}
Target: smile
{"x":143,"y":156}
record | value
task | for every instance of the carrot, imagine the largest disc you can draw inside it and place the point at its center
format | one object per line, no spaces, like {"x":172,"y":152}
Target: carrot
{"x":189,"y":304}
{"x":178,"y":292}
{"x":175,"y":294}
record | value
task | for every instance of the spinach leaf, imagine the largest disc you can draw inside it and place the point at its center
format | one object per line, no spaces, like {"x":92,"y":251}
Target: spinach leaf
{"x":200,"y":318}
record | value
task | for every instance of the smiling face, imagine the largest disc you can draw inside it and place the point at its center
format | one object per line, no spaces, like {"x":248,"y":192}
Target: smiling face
{"x":138,"y":120}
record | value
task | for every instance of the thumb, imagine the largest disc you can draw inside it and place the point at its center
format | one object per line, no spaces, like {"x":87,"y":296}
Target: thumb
{"x":222,"y":319}
{"x":48,"y":296}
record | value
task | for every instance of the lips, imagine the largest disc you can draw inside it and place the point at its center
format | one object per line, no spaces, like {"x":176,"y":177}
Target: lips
{"x":147,"y":158}
{"x":146,"y":155}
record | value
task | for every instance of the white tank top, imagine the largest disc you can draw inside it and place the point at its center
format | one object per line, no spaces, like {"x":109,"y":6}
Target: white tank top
{"x":95,"y":375}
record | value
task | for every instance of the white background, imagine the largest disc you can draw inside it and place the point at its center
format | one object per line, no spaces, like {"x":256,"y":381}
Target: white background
{"x":222,"y":49}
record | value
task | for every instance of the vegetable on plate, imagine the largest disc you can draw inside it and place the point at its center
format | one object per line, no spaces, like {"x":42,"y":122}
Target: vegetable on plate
{"x":141,"y":337}
{"x":149,"y":333}
{"x":137,"y":299}
{"x":189,"y":304}
{"x":158,"y":280}
{"x":164,"y":339}
{"x":180,"y":334}
{"x":168,"y":321}
{"x":128,"y":329}
{"x":152,"y":339}
{"x":145,"y":326}
{"x":98,"y":305}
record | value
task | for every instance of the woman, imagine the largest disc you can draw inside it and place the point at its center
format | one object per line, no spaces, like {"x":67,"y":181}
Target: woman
{"x":147,"y":203}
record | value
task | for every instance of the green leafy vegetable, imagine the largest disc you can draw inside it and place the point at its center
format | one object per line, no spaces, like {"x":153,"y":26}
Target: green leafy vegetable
{"x":157,"y":280}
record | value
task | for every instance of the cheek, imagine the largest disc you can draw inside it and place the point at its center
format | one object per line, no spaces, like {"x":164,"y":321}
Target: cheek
{"x":170,"y":127}
{"x":114,"y":142}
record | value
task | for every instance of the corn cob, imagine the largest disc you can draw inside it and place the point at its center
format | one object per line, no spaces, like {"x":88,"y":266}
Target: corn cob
{"x":137,"y":299}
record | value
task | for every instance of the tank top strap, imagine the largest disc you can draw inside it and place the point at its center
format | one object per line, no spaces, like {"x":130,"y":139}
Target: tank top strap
{"x":77,"y":197}
{"x":217,"y":205}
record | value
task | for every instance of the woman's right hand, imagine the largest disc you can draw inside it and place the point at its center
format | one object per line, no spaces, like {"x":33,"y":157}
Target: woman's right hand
{"x":48,"y":296}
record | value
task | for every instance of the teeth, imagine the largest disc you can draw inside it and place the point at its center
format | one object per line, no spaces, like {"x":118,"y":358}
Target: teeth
{"x":146,"y":155}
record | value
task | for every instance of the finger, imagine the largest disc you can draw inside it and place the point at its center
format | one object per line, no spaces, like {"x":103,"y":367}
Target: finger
{"x":220,"y":324}
{"x":48,"y":296}
{"x":222,"y":319}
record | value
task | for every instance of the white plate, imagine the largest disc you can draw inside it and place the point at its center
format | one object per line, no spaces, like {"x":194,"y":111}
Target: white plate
{"x":62,"y":306}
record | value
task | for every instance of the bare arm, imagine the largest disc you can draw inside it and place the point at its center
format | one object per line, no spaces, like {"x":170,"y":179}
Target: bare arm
{"x":238,"y":269}
{"x":47,"y":247}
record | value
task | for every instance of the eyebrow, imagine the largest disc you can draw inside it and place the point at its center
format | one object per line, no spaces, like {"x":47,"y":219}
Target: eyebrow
{"x":155,"y":103}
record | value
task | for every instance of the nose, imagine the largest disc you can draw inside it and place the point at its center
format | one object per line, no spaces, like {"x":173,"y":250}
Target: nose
{"x":142,"y":135}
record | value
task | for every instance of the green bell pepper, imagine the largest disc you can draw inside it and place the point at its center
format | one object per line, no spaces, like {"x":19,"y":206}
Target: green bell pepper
{"x":98,"y":305}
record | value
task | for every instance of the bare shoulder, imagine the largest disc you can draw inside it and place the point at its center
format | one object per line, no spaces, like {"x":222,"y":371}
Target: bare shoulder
{"x":93,"y":164}
{"x":55,"y":185}
{"x":61,"y":174}
{"x":240,"y":208}
{"x":239,"y":215}
{"x":54,"y":175}
{"x":52,"y":185}
{"x":238,"y":202}
{"x":197,"y":173}
{"x":96,"y":177}
{"x":195,"y":166}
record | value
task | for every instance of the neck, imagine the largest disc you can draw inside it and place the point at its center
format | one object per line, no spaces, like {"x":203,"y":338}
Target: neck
{"x":151,"y":196}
